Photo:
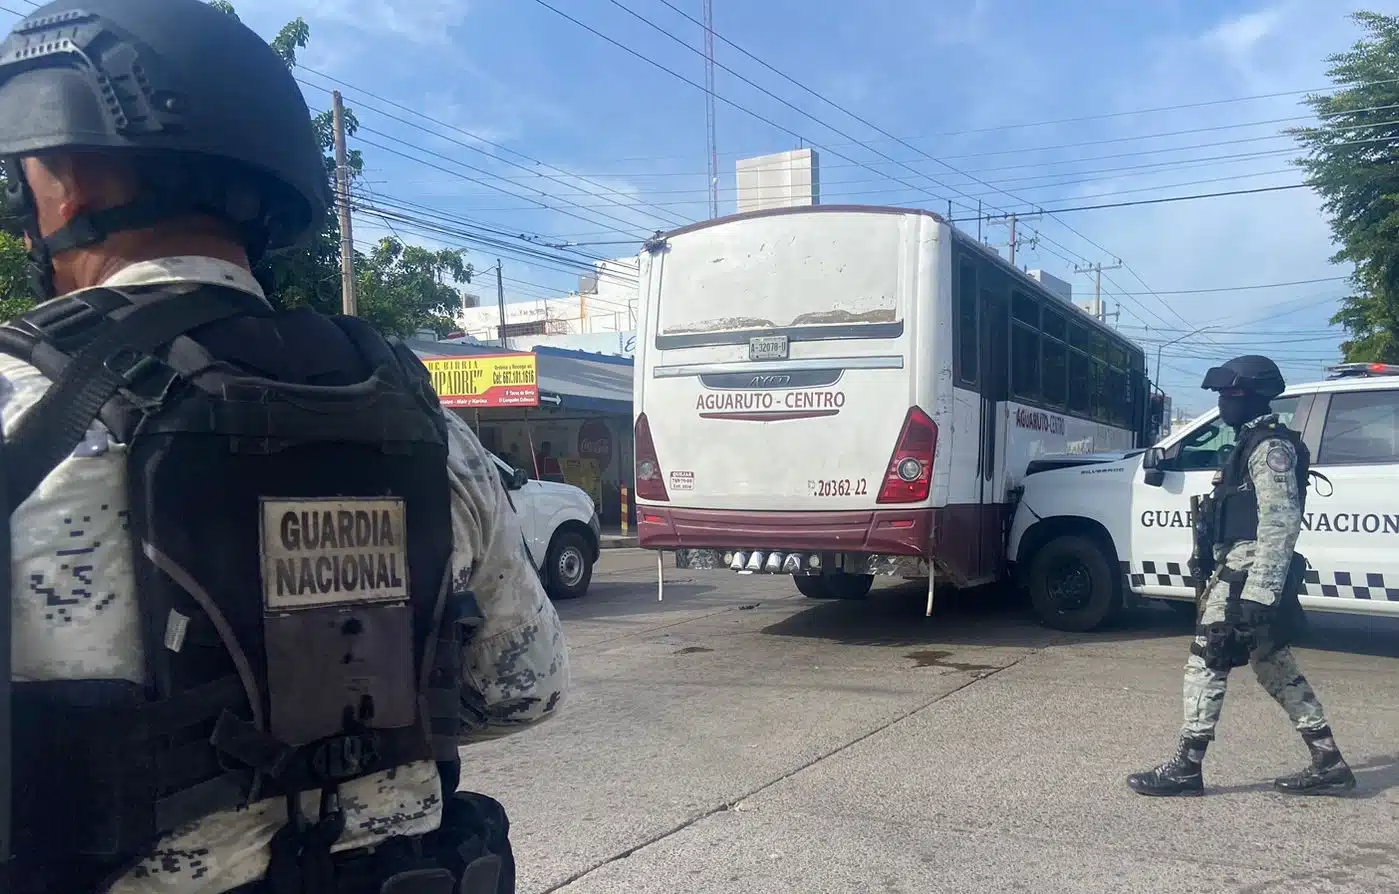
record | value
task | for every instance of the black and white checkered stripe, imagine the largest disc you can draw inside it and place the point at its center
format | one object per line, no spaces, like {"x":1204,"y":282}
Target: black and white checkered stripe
{"x":1160,"y":574}
{"x":1338,"y":584}
{"x":1351,"y":585}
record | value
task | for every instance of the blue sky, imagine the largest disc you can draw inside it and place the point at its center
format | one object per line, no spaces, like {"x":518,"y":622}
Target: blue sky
{"x":598,"y":146}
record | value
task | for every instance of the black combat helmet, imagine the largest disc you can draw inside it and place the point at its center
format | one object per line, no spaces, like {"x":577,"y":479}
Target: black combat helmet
{"x":1252,"y":373}
{"x":209,"y":114}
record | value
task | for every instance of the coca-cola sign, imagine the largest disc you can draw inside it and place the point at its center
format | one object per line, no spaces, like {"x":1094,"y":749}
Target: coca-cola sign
{"x":595,"y":442}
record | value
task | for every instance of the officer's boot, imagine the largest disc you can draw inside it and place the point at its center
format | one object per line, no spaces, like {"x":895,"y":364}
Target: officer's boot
{"x":1181,"y":775}
{"x":1328,"y":772}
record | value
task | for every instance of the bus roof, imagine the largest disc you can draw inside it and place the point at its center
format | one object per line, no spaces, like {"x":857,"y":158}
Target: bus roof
{"x":965,"y":238}
{"x":796,"y":209}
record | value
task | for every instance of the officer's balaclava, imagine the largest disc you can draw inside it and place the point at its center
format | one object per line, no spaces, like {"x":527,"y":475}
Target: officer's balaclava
{"x":1235,"y":410}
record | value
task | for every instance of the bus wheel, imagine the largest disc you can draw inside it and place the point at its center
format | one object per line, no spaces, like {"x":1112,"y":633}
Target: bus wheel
{"x":834,"y":586}
{"x":1072,"y":584}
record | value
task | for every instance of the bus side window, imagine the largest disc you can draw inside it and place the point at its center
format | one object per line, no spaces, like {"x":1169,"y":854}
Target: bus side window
{"x":966,"y":331}
{"x":1055,"y":364}
{"x":1025,"y":346}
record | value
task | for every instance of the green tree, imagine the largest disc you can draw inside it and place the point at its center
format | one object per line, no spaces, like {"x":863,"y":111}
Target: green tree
{"x":402,"y":288}
{"x":1353,"y":163}
{"x":16,"y":296}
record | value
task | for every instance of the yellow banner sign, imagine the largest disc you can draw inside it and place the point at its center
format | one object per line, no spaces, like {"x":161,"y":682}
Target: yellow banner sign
{"x":484,"y":381}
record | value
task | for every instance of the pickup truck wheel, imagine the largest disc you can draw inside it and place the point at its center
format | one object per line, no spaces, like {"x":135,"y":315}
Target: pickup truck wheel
{"x":834,"y":586}
{"x":1074,"y":585}
{"x":569,"y":566}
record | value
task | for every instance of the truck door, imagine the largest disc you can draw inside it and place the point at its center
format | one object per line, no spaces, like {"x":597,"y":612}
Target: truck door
{"x":1350,"y":524}
{"x":1162,"y":533}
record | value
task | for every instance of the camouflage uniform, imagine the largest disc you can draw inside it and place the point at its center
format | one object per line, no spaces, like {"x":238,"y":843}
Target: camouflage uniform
{"x":1272,"y":468}
{"x":1266,"y":560}
{"x":75,"y":617}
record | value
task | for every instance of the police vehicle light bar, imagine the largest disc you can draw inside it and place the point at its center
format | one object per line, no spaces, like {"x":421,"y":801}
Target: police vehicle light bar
{"x":1345,"y":370}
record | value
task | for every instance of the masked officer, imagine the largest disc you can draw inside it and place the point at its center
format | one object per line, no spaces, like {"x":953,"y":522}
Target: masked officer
{"x":1250,"y":612}
{"x":262,"y":585}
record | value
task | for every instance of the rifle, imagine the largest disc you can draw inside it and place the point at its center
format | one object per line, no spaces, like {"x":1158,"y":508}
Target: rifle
{"x":1202,"y":553}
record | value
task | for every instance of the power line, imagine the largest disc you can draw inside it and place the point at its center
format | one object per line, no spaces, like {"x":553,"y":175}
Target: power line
{"x":542,"y":205}
{"x":726,"y":100}
{"x":1207,"y":195}
{"x":440,"y":227}
{"x":1249,"y":288}
{"x":808,"y":90}
{"x":1078,"y":119}
{"x":535,"y":174}
{"x":1116,"y":155}
{"x":1115,"y":192}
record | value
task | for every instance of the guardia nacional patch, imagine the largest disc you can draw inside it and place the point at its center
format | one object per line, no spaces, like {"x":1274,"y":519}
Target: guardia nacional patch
{"x":1279,"y":459}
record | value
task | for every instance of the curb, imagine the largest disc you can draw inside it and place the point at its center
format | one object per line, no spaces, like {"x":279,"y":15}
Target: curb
{"x":617,"y":541}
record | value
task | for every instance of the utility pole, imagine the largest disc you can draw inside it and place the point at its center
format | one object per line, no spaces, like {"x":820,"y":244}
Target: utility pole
{"x":500,"y":303}
{"x":709,"y":108}
{"x":1014,"y":237}
{"x":348,"y":305}
{"x":1097,"y":271}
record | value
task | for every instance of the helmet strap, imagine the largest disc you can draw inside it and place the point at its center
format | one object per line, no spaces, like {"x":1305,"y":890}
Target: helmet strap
{"x":90,"y":229}
{"x":19,"y":201}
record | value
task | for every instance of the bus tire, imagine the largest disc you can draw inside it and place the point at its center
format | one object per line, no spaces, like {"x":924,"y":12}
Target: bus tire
{"x":1074,"y":584}
{"x":834,"y":586}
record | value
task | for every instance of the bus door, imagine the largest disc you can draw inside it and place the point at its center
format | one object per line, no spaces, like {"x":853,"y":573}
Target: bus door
{"x":995,"y":337}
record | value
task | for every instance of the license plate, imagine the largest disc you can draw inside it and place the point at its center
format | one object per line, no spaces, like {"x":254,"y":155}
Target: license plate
{"x":767,"y":347}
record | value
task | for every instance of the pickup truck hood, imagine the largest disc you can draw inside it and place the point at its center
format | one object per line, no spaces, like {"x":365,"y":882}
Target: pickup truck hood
{"x":563,"y":491}
{"x":1070,"y":460}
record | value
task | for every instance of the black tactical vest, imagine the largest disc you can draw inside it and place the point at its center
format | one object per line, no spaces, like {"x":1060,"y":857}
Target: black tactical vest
{"x":1236,"y":501}
{"x":291,"y":529}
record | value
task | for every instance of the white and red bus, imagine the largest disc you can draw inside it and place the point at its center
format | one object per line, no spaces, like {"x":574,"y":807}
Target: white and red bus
{"x":835,"y":392}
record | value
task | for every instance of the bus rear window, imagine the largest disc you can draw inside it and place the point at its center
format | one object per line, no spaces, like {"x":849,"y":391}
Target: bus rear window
{"x":789,"y":271}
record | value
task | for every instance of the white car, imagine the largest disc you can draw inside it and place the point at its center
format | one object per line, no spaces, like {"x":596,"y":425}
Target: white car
{"x":1091,"y":533}
{"x":560,"y":527}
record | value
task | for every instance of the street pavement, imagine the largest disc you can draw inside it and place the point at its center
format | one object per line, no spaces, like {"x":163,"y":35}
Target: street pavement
{"x":737,"y":737}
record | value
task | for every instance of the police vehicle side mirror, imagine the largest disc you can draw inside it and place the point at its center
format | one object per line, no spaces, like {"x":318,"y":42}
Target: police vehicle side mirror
{"x":1151,"y":462}
{"x":518,"y":479}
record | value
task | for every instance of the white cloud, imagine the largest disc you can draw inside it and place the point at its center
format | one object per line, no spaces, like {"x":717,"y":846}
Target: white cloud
{"x":1240,"y":37}
{"x":1211,"y":243}
{"x":420,"y":21}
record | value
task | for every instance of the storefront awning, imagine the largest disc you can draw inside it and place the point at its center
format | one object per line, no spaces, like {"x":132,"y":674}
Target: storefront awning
{"x":568,"y":380}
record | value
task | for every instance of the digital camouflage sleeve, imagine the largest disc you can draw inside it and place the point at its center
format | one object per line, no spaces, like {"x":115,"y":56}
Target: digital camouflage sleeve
{"x":515,"y":667}
{"x":1272,"y":467}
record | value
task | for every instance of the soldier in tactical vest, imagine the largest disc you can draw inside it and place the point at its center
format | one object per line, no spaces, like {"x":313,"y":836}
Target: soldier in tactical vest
{"x":1249,"y":611}
{"x":261,"y":586}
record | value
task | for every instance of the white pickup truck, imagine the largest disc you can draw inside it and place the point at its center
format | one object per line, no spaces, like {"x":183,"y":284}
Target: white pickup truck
{"x":561,"y":529}
{"x":1093,"y":532}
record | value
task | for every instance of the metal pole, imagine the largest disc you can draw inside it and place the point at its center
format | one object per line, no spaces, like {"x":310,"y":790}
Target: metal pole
{"x":500,"y":303}
{"x":710,"y":131}
{"x":1012,"y":240}
{"x":348,"y":305}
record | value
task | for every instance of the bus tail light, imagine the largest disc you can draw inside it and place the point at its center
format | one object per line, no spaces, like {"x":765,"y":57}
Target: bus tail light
{"x":909,"y":475}
{"x":650,"y":485}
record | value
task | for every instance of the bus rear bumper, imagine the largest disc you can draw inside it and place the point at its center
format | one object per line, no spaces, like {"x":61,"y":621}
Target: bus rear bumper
{"x":889,"y":542}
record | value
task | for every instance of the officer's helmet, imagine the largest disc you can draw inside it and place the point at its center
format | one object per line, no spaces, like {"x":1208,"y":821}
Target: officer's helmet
{"x":1252,"y":373}
{"x":209,"y":115}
